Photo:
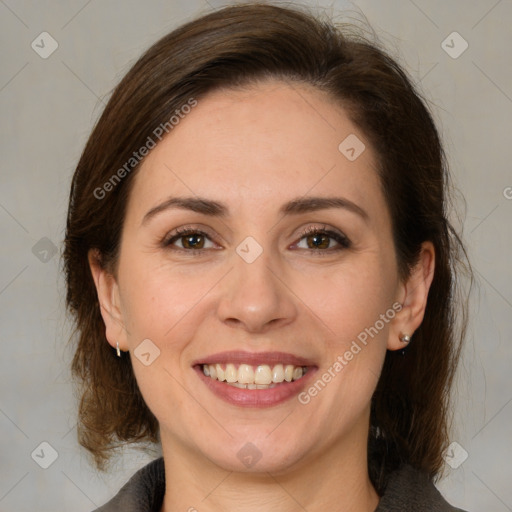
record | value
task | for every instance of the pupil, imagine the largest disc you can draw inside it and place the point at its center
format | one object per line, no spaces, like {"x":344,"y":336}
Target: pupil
{"x":318,"y":241}
{"x":192,"y":240}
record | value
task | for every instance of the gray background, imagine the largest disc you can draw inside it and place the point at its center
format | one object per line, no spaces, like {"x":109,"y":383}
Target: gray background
{"x":48,"y":109}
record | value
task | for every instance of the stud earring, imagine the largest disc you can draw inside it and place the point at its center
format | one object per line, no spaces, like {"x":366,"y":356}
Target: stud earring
{"x":118,"y":350}
{"x":405,"y":338}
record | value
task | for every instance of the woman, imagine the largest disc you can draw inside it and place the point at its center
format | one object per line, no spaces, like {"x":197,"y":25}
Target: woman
{"x":262,"y":273}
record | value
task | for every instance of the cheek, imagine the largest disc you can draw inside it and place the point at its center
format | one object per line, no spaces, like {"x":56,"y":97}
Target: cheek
{"x":162,"y":305}
{"x":350,"y":305}
{"x":158,"y":300}
{"x":350,"y":298}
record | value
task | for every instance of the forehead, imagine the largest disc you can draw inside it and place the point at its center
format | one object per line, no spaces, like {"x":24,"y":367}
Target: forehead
{"x":260,"y":145}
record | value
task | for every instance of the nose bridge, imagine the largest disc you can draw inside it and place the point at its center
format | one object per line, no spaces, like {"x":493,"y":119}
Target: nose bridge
{"x":254,"y":294}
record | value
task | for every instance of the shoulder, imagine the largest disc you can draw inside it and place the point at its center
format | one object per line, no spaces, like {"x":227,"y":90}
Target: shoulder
{"x":144,"y":492}
{"x":410,"y":489}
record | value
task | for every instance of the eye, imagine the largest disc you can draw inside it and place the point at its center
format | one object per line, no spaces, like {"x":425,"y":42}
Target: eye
{"x":319,"y":240}
{"x":191,"y":239}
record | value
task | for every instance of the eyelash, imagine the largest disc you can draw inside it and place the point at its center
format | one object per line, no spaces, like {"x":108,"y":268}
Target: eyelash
{"x":342,"y":240}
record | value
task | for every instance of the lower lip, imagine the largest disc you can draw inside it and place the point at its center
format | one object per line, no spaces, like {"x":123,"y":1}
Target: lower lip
{"x":256,"y":397}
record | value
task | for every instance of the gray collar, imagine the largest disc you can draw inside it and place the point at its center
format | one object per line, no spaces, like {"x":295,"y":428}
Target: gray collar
{"x":407,"y":490}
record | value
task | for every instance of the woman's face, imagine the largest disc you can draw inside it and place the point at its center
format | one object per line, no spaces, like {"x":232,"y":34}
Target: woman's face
{"x":248,"y":277}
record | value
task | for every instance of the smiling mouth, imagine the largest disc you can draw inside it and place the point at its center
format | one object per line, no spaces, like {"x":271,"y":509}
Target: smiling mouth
{"x":246,"y":376}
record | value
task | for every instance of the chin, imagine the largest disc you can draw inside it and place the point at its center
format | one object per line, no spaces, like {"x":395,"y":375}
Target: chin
{"x":257,"y":456}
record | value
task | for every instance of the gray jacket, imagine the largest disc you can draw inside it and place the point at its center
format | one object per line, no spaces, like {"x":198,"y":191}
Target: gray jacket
{"x":408,"y":490}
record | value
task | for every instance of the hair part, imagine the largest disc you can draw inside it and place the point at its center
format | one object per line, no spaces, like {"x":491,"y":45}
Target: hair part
{"x":235,"y":47}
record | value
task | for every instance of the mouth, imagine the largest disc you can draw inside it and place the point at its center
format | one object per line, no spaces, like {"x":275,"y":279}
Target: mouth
{"x":255,"y":379}
{"x":246,"y":376}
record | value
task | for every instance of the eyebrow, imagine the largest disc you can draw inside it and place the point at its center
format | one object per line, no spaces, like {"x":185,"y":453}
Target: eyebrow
{"x":293,"y":207}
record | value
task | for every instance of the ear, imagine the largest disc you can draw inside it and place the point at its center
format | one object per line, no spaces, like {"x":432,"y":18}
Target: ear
{"x":413,"y":297}
{"x":109,"y":300}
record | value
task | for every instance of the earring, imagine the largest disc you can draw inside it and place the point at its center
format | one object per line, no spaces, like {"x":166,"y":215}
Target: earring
{"x":118,"y":350}
{"x":405,"y":338}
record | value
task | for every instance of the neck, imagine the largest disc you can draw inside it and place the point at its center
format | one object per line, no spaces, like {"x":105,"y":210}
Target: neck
{"x":336,"y":479}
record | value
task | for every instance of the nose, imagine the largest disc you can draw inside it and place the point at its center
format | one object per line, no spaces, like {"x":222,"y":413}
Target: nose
{"x":255,"y":297}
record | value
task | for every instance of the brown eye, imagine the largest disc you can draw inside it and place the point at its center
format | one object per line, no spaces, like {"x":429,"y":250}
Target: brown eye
{"x":320,"y":241}
{"x":194,"y":241}
{"x":188,"y":240}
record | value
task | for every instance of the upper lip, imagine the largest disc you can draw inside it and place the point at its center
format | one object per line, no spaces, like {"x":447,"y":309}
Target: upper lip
{"x":254,"y":358}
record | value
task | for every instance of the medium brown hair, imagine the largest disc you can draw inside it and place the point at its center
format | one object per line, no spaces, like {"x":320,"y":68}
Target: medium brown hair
{"x":233,"y":47}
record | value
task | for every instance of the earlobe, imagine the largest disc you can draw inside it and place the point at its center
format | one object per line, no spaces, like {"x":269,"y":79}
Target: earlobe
{"x":108,"y":297}
{"x":413,"y":297}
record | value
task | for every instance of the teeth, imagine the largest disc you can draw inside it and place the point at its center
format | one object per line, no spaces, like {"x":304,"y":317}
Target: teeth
{"x":251,"y":386}
{"x":249,"y":377}
{"x":297,"y":373}
{"x":231,"y":374}
{"x":278,"y":373}
{"x":246,"y":375}
{"x":263,"y":374}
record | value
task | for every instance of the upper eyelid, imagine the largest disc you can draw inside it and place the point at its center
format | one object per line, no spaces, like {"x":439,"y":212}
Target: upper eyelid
{"x":184,"y":230}
{"x":191,"y":229}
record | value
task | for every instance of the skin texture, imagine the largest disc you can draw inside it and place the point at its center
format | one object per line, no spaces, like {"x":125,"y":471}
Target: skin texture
{"x":254,"y":149}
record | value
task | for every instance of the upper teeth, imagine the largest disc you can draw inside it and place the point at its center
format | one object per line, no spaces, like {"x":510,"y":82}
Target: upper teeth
{"x":261,"y":374}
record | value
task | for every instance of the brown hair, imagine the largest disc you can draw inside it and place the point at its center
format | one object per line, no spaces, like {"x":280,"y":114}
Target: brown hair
{"x":233,"y":47}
